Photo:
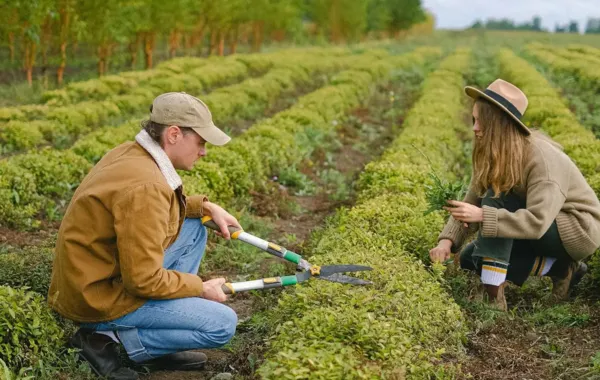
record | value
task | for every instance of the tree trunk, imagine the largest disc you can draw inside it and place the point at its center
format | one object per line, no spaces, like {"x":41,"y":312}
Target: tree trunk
{"x":233,"y":42}
{"x":213,"y":42}
{"x":133,"y":50}
{"x":222,"y":35}
{"x":257,"y":32}
{"x":187,"y":43}
{"x":149,"y":48}
{"x":335,"y":21}
{"x":107,"y":57}
{"x":11,"y":46}
{"x":63,"y":63}
{"x":197,"y":36}
{"x":65,"y":22}
{"x":45,"y":41}
{"x":30,"y":48}
{"x":101,"y":62}
{"x":173,"y":42}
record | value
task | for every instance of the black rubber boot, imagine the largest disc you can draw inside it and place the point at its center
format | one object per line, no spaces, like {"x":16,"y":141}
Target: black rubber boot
{"x":102,"y":354}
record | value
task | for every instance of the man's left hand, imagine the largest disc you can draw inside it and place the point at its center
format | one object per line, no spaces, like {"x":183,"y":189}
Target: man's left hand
{"x":222,"y":218}
{"x":465,"y":212}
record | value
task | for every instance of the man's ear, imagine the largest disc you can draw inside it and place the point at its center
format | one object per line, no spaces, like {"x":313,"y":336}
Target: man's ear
{"x":172,"y":132}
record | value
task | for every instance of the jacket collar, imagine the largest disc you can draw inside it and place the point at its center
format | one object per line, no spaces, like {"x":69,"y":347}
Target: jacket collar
{"x":161,"y":158}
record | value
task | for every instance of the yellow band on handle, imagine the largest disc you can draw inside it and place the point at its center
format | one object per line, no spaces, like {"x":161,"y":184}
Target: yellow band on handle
{"x":208,"y":222}
{"x":228,"y":288}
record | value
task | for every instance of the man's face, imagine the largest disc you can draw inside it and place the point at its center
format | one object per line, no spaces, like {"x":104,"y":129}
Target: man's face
{"x":184,"y":149}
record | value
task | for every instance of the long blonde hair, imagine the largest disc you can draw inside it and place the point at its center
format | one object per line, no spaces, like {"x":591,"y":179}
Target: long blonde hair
{"x":499,"y":154}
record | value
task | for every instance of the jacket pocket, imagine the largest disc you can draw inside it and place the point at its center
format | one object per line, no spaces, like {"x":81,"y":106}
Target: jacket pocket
{"x":172,"y":228}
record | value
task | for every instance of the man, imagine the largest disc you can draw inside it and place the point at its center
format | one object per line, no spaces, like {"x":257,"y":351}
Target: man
{"x":130,"y":245}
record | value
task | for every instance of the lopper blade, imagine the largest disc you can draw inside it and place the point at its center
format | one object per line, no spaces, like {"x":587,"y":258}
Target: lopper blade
{"x":342,"y":278}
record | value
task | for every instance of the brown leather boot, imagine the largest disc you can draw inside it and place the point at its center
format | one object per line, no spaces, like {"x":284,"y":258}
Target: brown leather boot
{"x":496,"y":297}
{"x":562,"y":285}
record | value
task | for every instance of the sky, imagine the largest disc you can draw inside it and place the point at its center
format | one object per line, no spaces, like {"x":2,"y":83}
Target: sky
{"x":458,"y":14}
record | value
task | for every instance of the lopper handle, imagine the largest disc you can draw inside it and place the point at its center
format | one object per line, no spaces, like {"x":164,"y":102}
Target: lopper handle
{"x":209,"y":223}
{"x":271,"y":248}
{"x":264,"y":283}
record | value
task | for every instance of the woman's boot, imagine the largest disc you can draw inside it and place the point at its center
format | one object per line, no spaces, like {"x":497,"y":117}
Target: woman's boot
{"x":496,"y":296}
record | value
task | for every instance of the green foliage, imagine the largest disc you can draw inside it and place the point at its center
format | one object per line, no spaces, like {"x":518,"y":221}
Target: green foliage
{"x":292,"y":177}
{"x":30,"y":337}
{"x":17,"y":135}
{"x":566,"y":315}
{"x":441,"y":191}
{"x":30,"y":267}
{"x":595,"y":361}
{"x":401,"y":325}
{"x":56,"y":173}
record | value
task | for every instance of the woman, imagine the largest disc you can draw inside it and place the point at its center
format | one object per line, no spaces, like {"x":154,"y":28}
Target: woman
{"x":534,"y":210}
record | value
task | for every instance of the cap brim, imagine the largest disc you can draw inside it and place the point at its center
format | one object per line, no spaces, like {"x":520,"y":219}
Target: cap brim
{"x":213,"y":135}
{"x":475,"y":93}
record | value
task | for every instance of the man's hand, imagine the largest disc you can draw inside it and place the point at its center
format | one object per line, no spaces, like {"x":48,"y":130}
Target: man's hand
{"x":442,"y":252}
{"x":211,"y":290}
{"x":221,"y":217}
{"x":465,"y":212}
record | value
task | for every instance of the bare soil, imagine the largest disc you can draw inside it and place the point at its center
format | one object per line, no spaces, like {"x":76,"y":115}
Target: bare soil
{"x":515,"y":350}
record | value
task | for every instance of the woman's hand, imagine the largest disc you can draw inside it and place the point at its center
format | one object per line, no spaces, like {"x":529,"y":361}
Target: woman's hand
{"x":465,"y":212}
{"x":222,"y":218}
{"x":442,"y":252}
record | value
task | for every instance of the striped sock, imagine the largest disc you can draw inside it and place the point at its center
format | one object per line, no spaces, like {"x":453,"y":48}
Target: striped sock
{"x":493,"y":272}
{"x":542,"y":265}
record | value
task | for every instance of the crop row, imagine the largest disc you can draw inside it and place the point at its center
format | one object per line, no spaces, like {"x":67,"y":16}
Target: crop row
{"x":33,"y":125}
{"x":267,"y":146}
{"x":580,"y":66}
{"x":400,"y":326}
{"x":44,"y":180}
{"x":548,"y":112}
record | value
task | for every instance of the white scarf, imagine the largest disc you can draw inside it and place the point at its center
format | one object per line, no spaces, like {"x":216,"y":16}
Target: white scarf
{"x":161,"y":158}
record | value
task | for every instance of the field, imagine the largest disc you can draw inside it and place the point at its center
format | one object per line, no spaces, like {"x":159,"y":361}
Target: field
{"x":334,"y":155}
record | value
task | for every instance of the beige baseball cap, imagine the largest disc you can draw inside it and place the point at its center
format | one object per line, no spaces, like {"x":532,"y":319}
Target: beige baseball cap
{"x":185,"y":110}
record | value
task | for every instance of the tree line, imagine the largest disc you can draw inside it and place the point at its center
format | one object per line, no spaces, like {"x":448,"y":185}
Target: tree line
{"x":34,"y":30}
{"x":592,"y":25}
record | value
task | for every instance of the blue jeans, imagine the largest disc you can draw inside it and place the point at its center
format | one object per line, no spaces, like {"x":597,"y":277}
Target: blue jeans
{"x":161,"y":327}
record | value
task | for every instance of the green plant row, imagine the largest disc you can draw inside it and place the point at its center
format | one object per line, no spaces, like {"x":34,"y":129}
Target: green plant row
{"x":60,"y":125}
{"x":229,"y":173}
{"x":246,"y":100}
{"x":267,"y":146}
{"x":590,"y":51}
{"x":548,"y":111}
{"x":581,"y":66}
{"x":400,"y":326}
{"x":44,"y":180}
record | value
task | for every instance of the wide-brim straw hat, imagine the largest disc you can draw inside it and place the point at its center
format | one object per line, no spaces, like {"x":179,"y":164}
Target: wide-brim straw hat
{"x":507,"y":96}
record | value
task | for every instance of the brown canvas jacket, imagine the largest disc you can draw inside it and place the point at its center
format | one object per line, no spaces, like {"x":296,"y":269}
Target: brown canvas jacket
{"x":110,"y":247}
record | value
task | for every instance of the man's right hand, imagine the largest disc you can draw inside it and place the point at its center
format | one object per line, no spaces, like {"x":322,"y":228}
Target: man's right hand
{"x":211,"y":290}
{"x":442,"y":252}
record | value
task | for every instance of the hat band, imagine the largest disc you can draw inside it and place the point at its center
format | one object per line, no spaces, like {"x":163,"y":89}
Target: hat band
{"x":502,"y":100}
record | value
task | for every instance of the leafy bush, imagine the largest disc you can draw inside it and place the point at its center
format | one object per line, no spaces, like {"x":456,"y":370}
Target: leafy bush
{"x":29,"y":334}
{"x":31,"y":268}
